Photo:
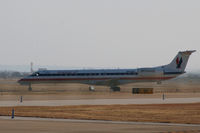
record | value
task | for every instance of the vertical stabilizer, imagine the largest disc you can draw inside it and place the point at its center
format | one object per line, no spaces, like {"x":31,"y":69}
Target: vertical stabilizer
{"x":179,"y":63}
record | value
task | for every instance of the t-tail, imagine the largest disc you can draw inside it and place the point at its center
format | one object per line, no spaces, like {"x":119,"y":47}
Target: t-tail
{"x":179,"y":63}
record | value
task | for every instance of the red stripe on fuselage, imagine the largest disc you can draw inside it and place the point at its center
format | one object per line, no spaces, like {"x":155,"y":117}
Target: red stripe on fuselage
{"x":124,"y":78}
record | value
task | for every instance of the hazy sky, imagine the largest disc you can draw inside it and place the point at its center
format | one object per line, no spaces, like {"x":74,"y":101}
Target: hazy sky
{"x":98,"y":33}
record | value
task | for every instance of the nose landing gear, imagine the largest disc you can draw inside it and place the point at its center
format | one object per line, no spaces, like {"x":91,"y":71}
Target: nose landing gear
{"x":29,"y":88}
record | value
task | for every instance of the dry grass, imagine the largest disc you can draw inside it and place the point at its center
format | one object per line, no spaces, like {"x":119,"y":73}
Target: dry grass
{"x":167,"y":113}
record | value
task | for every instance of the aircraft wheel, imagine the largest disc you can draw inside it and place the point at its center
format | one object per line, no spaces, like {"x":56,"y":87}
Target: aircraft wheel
{"x":116,"y":88}
{"x":29,"y":88}
{"x":91,"y":88}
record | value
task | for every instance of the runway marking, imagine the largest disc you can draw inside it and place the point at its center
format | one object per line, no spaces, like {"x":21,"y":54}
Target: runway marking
{"x":98,"y":121}
{"x":99,"y":102}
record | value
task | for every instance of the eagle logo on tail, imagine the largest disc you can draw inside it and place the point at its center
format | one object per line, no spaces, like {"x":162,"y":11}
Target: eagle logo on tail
{"x":179,"y":62}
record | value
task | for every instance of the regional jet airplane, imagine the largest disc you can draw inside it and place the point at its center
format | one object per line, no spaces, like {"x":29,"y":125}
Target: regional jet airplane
{"x":111,"y":77}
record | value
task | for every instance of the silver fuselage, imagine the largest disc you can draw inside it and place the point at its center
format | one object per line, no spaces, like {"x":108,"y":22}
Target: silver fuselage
{"x":109,"y":77}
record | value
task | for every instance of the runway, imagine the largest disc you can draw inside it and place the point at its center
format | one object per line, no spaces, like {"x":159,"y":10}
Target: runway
{"x":99,"y":102}
{"x":41,"y":125}
{"x":99,"y":121}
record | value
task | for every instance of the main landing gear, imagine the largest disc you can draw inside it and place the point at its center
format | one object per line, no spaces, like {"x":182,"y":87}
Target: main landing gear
{"x":159,"y":82}
{"x":115,"y":88}
{"x":29,"y":87}
{"x":91,"y":88}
